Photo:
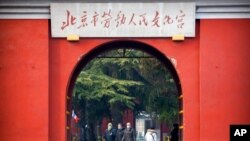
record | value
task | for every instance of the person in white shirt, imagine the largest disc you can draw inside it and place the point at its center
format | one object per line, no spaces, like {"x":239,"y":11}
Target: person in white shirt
{"x":151,"y":135}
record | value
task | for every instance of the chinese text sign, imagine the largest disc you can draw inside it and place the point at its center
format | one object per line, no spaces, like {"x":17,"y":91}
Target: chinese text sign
{"x":123,"y":19}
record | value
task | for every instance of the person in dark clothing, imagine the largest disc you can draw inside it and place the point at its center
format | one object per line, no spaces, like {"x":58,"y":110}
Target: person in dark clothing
{"x":129,"y":133}
{"x":110,"y":133}
{"x":175,"y":133}
{"x":119,"y":133}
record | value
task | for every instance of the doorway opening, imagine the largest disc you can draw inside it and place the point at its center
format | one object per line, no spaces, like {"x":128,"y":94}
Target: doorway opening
{"x":121,"y":82}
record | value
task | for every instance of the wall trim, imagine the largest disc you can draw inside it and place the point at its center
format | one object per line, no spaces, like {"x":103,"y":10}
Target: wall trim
{"x":41,"y":10}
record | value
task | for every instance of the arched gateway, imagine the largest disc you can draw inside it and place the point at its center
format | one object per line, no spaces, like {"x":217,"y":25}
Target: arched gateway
{"x":126,"y":44}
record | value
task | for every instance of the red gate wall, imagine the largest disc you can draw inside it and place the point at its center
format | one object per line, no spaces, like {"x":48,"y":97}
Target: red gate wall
{"x":35,"y":70}
{"x":224,"y":77}
{"x":24,"y":84}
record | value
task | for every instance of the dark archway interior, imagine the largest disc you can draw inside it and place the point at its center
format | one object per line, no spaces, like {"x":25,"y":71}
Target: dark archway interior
{"x":130,"y":44}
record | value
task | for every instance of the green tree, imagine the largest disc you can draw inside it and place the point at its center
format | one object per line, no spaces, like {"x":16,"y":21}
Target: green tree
{"x":102,"y":94}
{"x":159,"y":91}
{"x":110,"y":85}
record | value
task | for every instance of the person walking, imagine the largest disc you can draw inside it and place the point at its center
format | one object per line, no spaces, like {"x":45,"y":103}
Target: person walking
{"x":129,"y":133}
{"x":119,"y":133}
{"x":151,"y":135}
{"x":175,"y":133}
{"x":110,"y":133}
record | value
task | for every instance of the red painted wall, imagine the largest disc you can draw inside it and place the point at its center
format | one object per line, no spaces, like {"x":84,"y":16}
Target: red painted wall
{"x":35,"y":70}
{"x":24,"y":80}
{"x":224,"y":76}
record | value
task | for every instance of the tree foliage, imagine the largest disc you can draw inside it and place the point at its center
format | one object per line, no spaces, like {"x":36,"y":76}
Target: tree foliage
{"x":112,"y":85}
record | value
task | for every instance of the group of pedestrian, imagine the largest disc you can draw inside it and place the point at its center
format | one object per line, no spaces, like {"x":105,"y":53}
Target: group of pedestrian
{"x":128,"y":133}
{"x":121,"y":134}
